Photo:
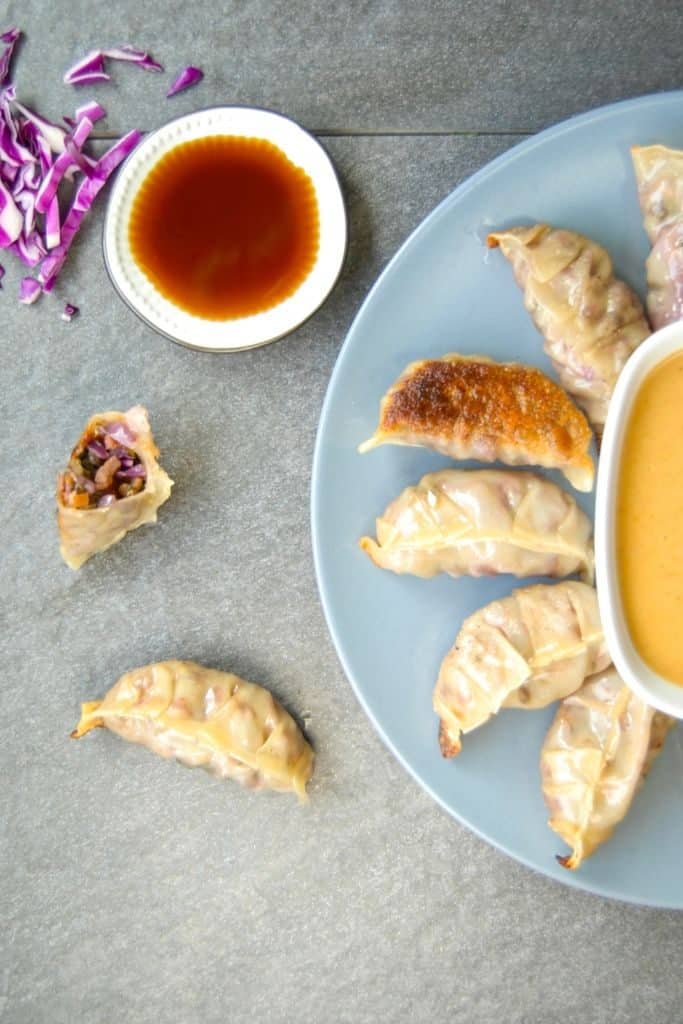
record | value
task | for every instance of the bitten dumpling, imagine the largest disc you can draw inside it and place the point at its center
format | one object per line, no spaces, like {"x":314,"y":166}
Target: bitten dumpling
{"x":525,"y":651}
{"x":470,"y":407}
{"x":112,"y":485}
{"x":598,"y":749}
{"x":590,"y":321}
{"x":482,"y":522}
{"x":659,"y":175}
{"x":208,"y":719}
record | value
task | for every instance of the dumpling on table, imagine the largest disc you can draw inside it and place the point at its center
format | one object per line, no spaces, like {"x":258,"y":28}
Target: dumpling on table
{"x":470,"y":407}
{"x":209,"y":719}
{"x":590,"y":320}
{"x":601,"y":744}
{"x":524,"y":651}
{"x":482,"y":522}
{"x":112,"y":484}
{"x":659,"y":176}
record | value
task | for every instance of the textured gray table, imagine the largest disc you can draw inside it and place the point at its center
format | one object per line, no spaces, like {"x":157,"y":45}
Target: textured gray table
{"x":133,"y":890}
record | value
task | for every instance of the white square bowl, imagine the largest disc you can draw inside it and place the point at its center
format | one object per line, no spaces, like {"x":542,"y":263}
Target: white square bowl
{"x":638,"y":676}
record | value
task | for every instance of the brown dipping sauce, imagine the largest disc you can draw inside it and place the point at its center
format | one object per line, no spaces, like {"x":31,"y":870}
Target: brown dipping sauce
{"x":225,"y":226}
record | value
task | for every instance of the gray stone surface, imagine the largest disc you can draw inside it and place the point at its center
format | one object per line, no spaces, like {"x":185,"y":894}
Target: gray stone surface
{"x":363,"y":65}
{"x":133,"y":890}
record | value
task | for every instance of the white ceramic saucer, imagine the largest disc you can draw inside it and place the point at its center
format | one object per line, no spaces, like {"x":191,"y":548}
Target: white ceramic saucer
{"x":246,"y":332}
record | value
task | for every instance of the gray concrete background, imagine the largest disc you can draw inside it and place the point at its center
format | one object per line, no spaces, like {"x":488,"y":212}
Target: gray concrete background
{"x":132,"y":890}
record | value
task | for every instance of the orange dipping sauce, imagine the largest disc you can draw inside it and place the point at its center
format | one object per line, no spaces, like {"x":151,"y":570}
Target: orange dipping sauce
{"x":225,"y":226}
{"x":649,"y":518}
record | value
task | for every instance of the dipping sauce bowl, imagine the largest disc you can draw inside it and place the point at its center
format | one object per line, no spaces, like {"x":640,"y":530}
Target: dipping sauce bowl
{"x":226,"y":228}
{"x":639,"y":522}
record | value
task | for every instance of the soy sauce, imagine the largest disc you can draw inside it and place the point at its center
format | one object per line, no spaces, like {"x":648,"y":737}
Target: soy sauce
{"x":225,"y":226}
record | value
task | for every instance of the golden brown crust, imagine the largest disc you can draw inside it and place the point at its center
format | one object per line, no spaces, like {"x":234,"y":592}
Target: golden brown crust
{"x":446,"y":745}
{"x":471,"y":397}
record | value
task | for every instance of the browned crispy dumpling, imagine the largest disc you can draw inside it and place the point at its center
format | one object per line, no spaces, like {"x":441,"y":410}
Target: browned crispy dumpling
{"x":601,"y":744}
{"x":470,"y":407}
{"x":659,"y":175}
{"x":524,"y":651}
{"x":590,"y":321}
{"x":208,"y":719}
{"x":112,"y":484}
{"x":470,"y":522}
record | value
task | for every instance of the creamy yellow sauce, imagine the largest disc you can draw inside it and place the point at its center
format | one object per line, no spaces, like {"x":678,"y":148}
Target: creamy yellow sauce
{"x":650,"y":520}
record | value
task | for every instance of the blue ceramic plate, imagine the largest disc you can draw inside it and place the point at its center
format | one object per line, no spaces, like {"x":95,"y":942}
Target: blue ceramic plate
{"x":444,"y":292}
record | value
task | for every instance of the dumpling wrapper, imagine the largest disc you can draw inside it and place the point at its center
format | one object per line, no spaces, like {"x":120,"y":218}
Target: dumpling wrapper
{"x":209,"y":719}
{"x":470,"y":407}
{"x":524,"y":651}
{"x":85,"y":532}
{"x":601,"y":744}
{"x":482,"y":522}
{"x":659,"y":176}
{"x":591,"y":322}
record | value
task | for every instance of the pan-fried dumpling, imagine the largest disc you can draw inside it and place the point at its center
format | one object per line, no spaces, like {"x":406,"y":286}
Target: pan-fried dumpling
{"x":659,"y":175}
{"x":481,"y":522}
{"x":525,"y":651}
{"x":112,"y":485}
{"x":600,"y":745}
{"x":470,"y":407}
{"x":590,"y":321}
{"x":208,"y":719}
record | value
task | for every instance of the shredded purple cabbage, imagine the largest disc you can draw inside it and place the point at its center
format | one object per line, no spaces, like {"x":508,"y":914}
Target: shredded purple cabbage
{"x":120,"y":432}
{"x":138,"y":470}
{"x":92,"y":111}
{"x":37,"y":156}
{"x":29,"y":290}
{"x":50,"y":183}
{"x":130,"y":53}
{"x":91,"y":68}
{"x":83,"y":200}
{"x":30,"y":250}
{"x":52,"y":133}
{"x":98,"y":450}
{"x":78,"y":159}
{"x":88,"y":70}
{"x":9,"y":38}
{"x":53,"y":235}
{"x":11,"y":220}
{"x":68,"y":313}
{"x":188,"y":77}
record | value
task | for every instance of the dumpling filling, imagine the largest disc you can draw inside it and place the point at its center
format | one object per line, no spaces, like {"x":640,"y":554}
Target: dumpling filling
{"x":104,"y":468}
{"x":113,"y":483}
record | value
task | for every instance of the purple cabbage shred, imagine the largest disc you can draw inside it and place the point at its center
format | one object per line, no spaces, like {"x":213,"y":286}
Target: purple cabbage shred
{"x":10,"y":38}
{"x":29,"y":290}
{"x":91,"y":68}
{"x":188,"y":77}
{"x":39,"y":157}
{"x":88,"y":70}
